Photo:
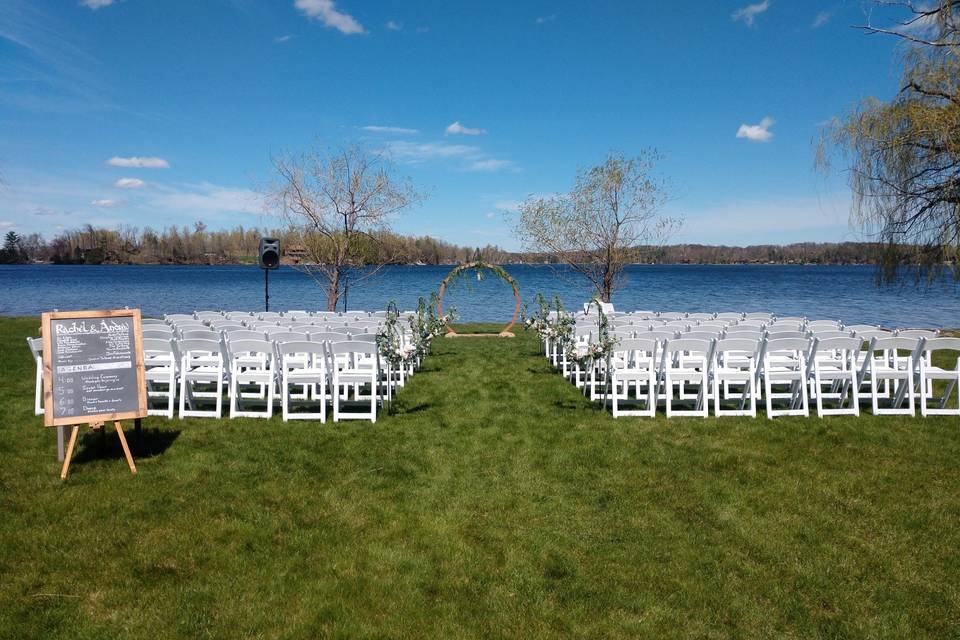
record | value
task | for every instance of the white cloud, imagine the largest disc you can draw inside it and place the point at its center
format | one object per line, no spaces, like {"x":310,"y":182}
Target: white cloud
{"x":490,"y":164}
{"x":423,"y":29}
{"x":327,"y":13}
{"x":96,"y":4}
{"x":104,"y":202}
{"x":507,"y":205}
{"x":750,"y":12}
{"x":416,"y":152}
{"x":822,"y":18}
{"x":544,"y":19}
{"x":393,"y":25}
{"x":285,"y":38}
{"x":6,"y":224}
{"x":472,"y":158}
{"x":757,"y":132}
{"x":375,"y":128}
{"x":490,"y":215}
{"x":138,"y":162}
{"x":457,"y":128}
{"x":206,"y":198}
{"x":129,"y":183}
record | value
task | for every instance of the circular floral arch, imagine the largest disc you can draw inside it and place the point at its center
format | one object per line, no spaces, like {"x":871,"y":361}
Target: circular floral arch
{"x":480,"y":266}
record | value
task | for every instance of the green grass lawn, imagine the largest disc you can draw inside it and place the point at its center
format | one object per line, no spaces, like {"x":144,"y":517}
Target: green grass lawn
{"x":496,"y":502}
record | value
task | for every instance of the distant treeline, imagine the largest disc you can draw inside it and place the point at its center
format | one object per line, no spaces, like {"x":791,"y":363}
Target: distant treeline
{"x":199,"y":245}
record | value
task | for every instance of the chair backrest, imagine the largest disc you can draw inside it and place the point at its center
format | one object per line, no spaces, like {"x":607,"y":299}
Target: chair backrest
{"x":860,"y":327}
{"x":174,"y":317}
{"x":328,"y":336}
{"x":157,"y":333}
{"x":868,"y":334}
{"x":227,"y":326}
{"x":700,"y":316}
{"x":672,"y":315}
{"x":784,"y":335}
{"x":729,"y":315}
{"x":942,"y":344}
{"x":193,"y":346}
{"x":840,"y":343}
{"x":300,"y":348}
{"x":824,"y":324}
{"x":694,"y":345}
{"x":352,"y":346}
{"x":762,"y":317}
{"x":159,"y":346}
{"x":785,"y":327}
{"x":700,"y":335}
{"x":287,"y":336}
{"x":829,"y":334}
{"x":633,"y":345}
{"x":153,"y":322}
{"x":709,"y":326}
{"x":657,"y":334}
{"x":243,"y":334}
{"x":203,"y":334}
{"x":363,"y":337}
{"x":739,"y":345}
{"x":740,"y":330}
{"x":236,"y":348}
{"x":918,"y":333}
{"x":800,"y":344}
{"x":896,"y":343}
{"x":36,"y":347}
{"x":789,"y":320}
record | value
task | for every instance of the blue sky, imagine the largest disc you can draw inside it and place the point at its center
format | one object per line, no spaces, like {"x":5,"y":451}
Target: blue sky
{"x":159,"y":112}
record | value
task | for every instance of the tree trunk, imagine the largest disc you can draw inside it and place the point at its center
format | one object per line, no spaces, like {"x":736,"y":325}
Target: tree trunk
{"x":333,"y":290}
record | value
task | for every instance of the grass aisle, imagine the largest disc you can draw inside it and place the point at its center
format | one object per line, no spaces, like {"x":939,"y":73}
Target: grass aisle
{"x":495,"y":502}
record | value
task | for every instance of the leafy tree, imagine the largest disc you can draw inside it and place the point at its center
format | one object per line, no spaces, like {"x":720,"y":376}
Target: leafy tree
{"x":904,"y":154}
{"x":600,"y":224}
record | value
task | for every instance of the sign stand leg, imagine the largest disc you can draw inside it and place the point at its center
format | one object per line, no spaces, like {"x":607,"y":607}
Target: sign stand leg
{"x":61,"y":442}
{"x":126,"y":449}
{"x":66,"y":459}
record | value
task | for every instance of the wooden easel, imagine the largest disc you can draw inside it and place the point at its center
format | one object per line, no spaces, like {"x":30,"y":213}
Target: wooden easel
{"x":75,"y":430}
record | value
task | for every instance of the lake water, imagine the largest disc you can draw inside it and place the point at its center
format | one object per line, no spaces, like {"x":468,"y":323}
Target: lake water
{"x":818,"y":292}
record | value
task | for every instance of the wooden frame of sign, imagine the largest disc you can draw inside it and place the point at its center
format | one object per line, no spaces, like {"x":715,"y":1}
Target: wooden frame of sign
{"x":59,"y":408}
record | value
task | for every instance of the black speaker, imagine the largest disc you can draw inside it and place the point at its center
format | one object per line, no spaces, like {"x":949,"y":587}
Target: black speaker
{"x":269,"y":253}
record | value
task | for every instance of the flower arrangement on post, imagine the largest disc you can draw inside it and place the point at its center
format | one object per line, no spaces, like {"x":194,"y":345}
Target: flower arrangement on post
{"x":552,"y":326}
{"x":599,"y":349}
{"x":390,"y":343}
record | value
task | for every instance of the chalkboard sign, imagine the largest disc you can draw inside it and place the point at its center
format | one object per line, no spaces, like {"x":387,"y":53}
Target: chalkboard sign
{"x":92,"y":367}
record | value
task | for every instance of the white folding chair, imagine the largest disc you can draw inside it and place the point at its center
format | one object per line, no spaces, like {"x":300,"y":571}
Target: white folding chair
{"x":303,"y":364}
{"x":251,"y":363}
{"x":160,"y":365}
{"x":634,"y":361}
{"x":687,"y":361}
{"x":930,"y":373}
{"x":735,"y":363}
{"x":835,"y":364}
{"x":341,"y":362}
{"x":785,"y":364}
{"x":201,"y":363}
{"x":892,"y":359}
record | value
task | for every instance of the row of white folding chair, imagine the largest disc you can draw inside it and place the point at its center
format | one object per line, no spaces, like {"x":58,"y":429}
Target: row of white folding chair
{"x":244,"y":362}
{"x":833,"y":361}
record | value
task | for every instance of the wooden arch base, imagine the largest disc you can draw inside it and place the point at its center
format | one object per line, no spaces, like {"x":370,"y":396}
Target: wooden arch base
{"x":500,"y":272}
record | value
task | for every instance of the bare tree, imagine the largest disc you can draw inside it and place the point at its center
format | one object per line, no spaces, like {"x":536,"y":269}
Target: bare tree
{"x":335,"y":205}
{"x":612,"y":211}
